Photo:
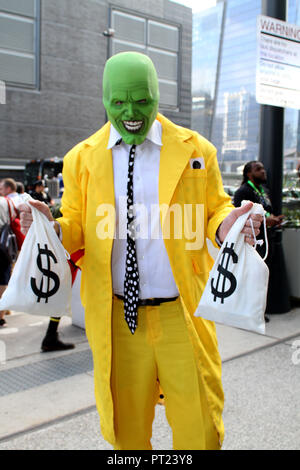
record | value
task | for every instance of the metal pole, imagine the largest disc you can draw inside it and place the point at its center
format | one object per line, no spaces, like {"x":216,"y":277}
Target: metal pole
{"x":271,"y":155}
{"x":218,"y":70}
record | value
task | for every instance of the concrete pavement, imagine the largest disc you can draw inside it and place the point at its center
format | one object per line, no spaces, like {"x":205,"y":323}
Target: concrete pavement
{"x":47,"y":399}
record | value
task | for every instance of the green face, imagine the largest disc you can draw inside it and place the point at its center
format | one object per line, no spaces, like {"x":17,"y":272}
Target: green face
{"x":131,"y":95}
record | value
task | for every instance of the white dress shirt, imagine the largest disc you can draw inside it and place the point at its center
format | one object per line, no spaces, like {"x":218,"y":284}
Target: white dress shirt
{"x":156,"y":277}
{"x":4,"y":215}
{"x":4,"y":212}
{"x":17,"y":198}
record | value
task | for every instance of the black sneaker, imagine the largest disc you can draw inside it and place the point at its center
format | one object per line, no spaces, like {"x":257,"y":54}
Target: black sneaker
{"x":53,"y":343}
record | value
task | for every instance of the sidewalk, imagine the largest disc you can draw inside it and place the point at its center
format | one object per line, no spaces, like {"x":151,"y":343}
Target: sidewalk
{"x":47,"y":399}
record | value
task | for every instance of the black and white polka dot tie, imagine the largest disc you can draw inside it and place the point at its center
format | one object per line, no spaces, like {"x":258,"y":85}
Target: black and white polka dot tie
{"x":131,"y":283}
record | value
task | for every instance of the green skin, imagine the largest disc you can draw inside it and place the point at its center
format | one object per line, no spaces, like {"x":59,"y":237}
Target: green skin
{"x":131,"y":95}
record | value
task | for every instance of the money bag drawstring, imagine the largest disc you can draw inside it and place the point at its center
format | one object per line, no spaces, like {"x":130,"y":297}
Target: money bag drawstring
{"x":260,"y":242}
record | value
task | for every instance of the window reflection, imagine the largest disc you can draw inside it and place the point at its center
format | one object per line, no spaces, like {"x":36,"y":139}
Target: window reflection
{"x":223,"y":83}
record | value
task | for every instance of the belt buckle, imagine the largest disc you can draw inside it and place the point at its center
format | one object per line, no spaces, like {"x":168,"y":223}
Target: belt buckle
{"x":152,"y":302}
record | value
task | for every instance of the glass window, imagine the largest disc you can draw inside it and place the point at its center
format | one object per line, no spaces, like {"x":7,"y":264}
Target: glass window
{"x":12,"y":66}
{"x":165,"y":63}
{"x":160,"y":34}
{"x":159,"y":40}
{"x":19,"y":42}
{"x":168,"y":91}
{"x":206,"y":42}
{"x":235,"y":129}
{"x":292,"y":116}
{"x":16,"y":34}
{"x":24,"y":8}
{"x":129,"y":28}
{"x":121,"y":46}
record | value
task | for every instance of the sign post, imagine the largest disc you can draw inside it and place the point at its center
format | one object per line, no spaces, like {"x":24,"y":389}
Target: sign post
{"x":271,"y":137}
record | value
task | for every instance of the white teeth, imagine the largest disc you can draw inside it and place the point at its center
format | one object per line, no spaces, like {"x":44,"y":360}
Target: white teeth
{"x":133,"y":126}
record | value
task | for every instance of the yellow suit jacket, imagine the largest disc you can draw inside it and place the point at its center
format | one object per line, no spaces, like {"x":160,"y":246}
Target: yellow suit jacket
{"x":89,"y":187}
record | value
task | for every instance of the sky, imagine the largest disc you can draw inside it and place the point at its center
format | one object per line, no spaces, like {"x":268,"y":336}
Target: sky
{"x":197,"y":5}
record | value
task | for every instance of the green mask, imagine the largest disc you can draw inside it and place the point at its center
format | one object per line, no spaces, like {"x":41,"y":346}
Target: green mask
{"x":131,"y":95}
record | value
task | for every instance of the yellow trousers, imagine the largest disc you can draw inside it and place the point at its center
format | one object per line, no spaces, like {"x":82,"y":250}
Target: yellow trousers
{"x":159,"y":349}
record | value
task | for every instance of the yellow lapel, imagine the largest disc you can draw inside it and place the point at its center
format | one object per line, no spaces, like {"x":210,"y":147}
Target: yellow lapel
{"x":102,"y":197}
{"x":100,"y":165}
{"x":176,"y":151}
{"x":175,"y":154}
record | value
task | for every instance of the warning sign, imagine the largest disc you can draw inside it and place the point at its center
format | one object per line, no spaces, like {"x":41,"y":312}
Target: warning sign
{"x":278,"y":63}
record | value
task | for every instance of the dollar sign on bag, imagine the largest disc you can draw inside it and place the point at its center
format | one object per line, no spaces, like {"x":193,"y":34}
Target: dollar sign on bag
{"x":39,"y":291}
{"x":224,"y":271}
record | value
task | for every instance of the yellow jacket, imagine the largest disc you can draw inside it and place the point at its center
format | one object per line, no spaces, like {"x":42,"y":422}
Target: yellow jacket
{"x":88,"y":180}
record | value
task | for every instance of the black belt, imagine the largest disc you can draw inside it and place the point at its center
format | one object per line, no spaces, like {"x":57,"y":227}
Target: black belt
{"x":150,"y":302}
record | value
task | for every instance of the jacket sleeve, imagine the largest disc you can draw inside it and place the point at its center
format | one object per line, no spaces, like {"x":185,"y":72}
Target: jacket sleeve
{"x":244,"y":193}
{"x":218,"y":202}
{"x":72,"y":208}
{"x":238,"y":197}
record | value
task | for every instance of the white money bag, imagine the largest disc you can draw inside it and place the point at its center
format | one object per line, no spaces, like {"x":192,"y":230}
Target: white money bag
{"x":41,"y":282}
{"x":236,"y":291}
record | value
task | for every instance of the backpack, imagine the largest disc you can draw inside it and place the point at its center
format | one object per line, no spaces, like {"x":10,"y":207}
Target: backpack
{"x":8,"y":245}
{"x":15,"y":225}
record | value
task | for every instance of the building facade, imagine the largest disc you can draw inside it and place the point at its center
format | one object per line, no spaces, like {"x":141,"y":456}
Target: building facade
{"x":224,"y":83}
{"x":52,"y":55}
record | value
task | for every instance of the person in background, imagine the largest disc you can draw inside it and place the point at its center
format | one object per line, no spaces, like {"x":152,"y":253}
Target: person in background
{"x":254,"y":189}
{"x":40,"y":194}
{"x":51,"y":341}
{"x":61,"y":184}
{"x":16,"y":195}
{"x":8,"y":188}
{"x":5,"y":263}
{"x":20,"y":187}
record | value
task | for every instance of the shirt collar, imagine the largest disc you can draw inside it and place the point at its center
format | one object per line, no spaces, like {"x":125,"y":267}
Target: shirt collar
{"x":154,"y":135}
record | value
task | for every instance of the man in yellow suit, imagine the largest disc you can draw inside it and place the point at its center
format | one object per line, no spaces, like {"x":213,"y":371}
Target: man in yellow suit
{"x":141,"y":196}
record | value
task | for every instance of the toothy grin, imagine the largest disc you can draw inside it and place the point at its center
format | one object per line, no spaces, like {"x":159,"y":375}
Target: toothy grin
{"x":133,"y":126}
